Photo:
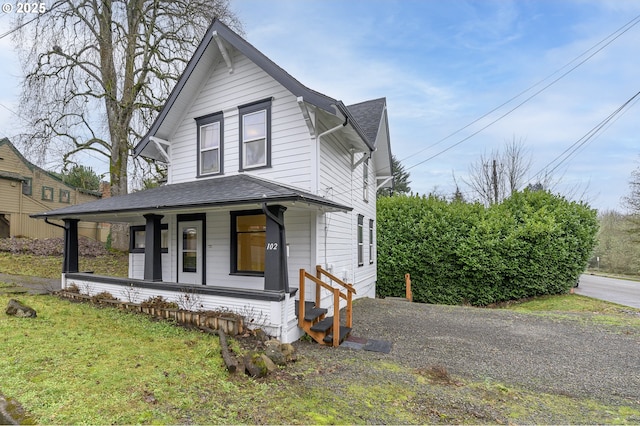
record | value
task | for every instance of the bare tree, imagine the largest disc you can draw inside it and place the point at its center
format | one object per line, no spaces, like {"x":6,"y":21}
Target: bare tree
{"x":632,"y":201}
{"x":496,"y":176}
{"x":98,"y":71}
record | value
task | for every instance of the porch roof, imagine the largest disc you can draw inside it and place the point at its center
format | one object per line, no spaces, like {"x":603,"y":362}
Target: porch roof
{"x":223,"y":191}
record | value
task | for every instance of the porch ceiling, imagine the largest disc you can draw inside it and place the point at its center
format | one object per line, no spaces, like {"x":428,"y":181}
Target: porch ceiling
{"x":215,"y":193}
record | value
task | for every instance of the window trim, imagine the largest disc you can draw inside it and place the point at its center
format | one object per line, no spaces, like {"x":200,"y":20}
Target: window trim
{"x":360,"y":240}
{"x":29,"y":182}
{"x":68,"y":193}
{"x":365,"y":181}
{"x":143,"y":228}
{"x":45,"y":188}
{"x":206,"y":120}
{"x":247,"y":109}
{"x":370,"y":241}
{"x":233,"y":269}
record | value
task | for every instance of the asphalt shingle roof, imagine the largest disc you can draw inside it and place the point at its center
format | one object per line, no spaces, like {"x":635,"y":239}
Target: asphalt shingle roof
{"x":368,"y":115}
{"x":221,"y":191}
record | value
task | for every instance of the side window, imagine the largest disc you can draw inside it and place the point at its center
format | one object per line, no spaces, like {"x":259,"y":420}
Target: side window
{"x":27,"y":186}
{"x":360,"y":240}
{"x":248,"y":239}
{"x":210,"y":143}
{"x":137,"y":235}
{"x":47,"y":193}
{"x":370,"y":241}
{"x":255,"y":135}
{"x":365,"y":181}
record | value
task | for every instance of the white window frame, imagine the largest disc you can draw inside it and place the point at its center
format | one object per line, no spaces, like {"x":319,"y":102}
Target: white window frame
{"x":365,"y":181}
{"x":215,"y":119}
{"x":260,"y":107}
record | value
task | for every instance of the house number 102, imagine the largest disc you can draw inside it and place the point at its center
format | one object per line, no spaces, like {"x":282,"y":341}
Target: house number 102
{"x":272,"y":246}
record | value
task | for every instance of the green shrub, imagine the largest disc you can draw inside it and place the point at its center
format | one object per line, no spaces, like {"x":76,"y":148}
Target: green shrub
{"x":531,"y":244}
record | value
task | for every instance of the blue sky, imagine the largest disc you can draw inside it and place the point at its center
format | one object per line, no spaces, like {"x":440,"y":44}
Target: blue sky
{"x":443,"y":64}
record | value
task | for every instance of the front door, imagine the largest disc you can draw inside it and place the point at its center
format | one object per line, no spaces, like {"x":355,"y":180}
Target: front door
{"x":190,"y":252}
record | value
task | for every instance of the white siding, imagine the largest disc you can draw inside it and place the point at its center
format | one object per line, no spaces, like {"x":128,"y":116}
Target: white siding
{"x":136,"y":266}
{"x":298,"y":233}
{"x":338,"y":244}
{"x":291,"y":144}
{"x":274,"y":317}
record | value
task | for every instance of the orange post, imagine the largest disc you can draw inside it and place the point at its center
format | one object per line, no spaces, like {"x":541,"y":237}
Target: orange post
{"x":409,"y":294}
{"x":301,"y":301}
{"x":336,"y":317}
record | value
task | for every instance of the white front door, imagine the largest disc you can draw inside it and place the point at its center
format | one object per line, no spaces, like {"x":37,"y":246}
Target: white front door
{"x":190,"y":252}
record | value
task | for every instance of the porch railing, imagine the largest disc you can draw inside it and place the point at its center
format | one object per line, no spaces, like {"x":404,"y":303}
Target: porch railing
{"x":337,"y":295}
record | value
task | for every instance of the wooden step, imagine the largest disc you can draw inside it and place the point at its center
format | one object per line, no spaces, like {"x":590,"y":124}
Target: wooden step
{"x":311,"y":313}
{"x":323,"y":325}
{"x":314,"y":313}
{"x":344,"y":333}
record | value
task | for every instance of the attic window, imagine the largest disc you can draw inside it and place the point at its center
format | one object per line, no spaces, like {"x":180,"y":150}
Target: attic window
{"x":210,"y":143}
{"x":255,"y":135}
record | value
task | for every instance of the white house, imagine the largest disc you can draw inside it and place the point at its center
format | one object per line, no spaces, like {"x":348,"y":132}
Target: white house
{"x":265,"y":177}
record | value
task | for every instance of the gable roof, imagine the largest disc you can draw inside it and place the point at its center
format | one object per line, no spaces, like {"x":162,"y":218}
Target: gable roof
{"x":196,"y":72}
{"x":215,"y":192}
{"x":369,"y":114}
{"x":33,"y":167}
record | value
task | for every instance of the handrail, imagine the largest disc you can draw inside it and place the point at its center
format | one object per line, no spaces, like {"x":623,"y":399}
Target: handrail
{"x":335,"y":279}
{"x":337,"y":294}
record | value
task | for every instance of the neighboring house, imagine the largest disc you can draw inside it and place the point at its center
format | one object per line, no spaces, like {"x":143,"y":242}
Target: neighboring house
{"x":26,"y":189}
{"x":265,"y":177}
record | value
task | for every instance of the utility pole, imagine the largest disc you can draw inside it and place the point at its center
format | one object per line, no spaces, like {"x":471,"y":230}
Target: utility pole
{"x":494,"y":179}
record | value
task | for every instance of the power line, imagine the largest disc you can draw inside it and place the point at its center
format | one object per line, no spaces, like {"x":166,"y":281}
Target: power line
{"x":611,"y":38}
{"x":590,"y":135}
{"x":24,"y":24}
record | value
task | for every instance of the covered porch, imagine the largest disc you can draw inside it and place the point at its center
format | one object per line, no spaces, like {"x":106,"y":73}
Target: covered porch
{"x":219,"y":243}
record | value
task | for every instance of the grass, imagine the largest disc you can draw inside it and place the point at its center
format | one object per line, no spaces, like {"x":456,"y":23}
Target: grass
{"x":593,"y":311}
{"x":116,"y":265}
{"x":76,"y":363}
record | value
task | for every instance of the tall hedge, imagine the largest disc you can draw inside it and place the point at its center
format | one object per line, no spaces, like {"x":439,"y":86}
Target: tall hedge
{"x":533,"y":243}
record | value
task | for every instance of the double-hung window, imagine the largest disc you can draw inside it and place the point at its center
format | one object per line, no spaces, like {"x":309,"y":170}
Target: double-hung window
{"x":360,"y":240}
{"x":255,"y":135}
{"x":47,"y":193}
{"x":365,"y":181}
{"x":370,"y":241}
{"x":65,"y":196}
{"x":210,"y":142}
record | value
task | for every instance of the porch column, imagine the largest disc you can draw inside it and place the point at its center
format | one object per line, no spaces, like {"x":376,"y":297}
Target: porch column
{"x":152,"y":248}
{"x":276,"y":276}
{"x":70,"y":259}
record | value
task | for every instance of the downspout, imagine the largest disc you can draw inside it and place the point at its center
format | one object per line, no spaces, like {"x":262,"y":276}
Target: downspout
{"x":46,"y":220}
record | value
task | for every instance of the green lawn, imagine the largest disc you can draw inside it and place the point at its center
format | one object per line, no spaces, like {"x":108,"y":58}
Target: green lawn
{"x":79,"y":364}
{"x":115,"y":265}
{"x":593,"y":311}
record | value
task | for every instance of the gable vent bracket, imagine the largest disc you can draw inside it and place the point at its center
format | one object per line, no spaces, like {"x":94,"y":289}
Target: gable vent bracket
{"x":162,"y":146}
{"x":224,"y":51}
{"x":307,"y":116}
{"x":354,"y":163}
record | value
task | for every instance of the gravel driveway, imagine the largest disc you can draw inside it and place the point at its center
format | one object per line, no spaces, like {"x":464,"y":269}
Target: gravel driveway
{"x":561,"y":355}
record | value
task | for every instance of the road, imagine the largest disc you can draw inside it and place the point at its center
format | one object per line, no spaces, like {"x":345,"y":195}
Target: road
{"x":623,"y":292}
